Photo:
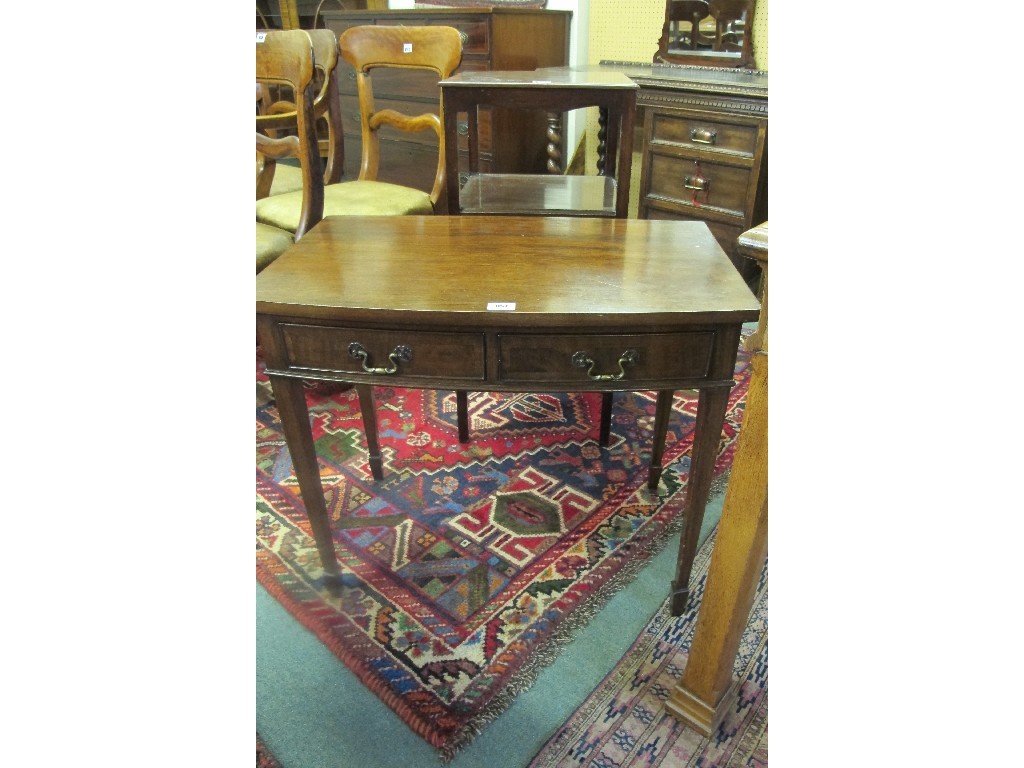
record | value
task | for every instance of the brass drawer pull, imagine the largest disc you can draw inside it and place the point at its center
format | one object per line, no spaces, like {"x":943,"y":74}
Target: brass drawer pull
{"x":582,"y":360}
{"x":401,"y":352}
{"x":698,"y":183}
{"x":703,"y":135}
{"x":464,"y":37}
{"x":463,"y":128}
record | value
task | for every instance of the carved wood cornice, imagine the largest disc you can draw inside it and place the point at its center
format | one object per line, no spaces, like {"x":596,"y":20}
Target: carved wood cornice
{"x":737,"y":90}
{"x":691,"y":67}
{"x":675,"y":99}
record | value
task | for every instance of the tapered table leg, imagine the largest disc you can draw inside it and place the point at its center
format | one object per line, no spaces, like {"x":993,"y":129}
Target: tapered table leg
{"x":367,"y":408}
{"x":606,"y":418}
{"x":711,"y":405}
{"x":462,"y":414}
{"x":291,"y":405}
{"x":662,"y":412}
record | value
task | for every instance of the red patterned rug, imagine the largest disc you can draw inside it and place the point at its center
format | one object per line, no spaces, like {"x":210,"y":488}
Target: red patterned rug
{"x":468,"y":566}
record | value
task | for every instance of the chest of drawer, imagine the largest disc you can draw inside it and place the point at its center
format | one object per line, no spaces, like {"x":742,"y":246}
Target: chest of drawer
{"x":402,"y":162}
{"x":402,"y":83}
{"x":351,"y":122}
{"x":703,"y":132}
{"x":430,"y":354}
{"x":646,"y":357}
{"x":353,"y":137}
{"x":705,"y":184}
{"x":475,"y":33}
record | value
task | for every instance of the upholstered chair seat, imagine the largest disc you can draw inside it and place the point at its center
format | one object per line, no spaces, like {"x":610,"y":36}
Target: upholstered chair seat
{"x":435,"y":49}
{"x":271,"y":242}
{"x":350,"y":198}
{"x":287,"y":178}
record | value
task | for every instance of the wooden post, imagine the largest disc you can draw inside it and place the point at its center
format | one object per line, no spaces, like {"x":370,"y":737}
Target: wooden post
{"x":741,"y":544}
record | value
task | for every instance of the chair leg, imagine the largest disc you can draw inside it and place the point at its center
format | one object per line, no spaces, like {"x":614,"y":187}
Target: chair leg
{"x":462,"y":414}
{"x":606,"y":418}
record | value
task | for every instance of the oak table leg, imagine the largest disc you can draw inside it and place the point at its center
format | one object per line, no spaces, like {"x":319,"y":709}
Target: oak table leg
{"x":606,"y":418}
{"x":291,"y":406}
{"x":737,"y":561}
{"x":711,"y":405}
{"x":662,"y":412}
{"x":462,"y":414}
{"x":367,"y":408}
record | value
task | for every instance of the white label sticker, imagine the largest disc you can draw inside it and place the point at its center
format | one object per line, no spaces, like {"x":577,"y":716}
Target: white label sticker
{"x":406,"y":47}
{"x":261,"y":36}
{"x":501,"y":306}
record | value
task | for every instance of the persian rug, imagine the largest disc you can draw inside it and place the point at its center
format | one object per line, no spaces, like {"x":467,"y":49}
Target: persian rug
{"x":623,"y":723}
{"x":468,"y":566}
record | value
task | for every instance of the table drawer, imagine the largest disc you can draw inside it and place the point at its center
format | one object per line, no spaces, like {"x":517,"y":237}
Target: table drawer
{"x":700,"y":183}
{"x":553,"y":358}
{"x":698,"y":131}
{"x":323,"y":348}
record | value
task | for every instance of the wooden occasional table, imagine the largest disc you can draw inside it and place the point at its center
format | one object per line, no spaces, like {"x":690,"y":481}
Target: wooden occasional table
{"x":554,"y":89}
{"x":497,"y":303}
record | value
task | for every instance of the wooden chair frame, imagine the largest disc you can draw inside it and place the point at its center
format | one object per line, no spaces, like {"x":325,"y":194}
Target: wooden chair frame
{"x":286,"y":58}
{"x":278,"y":116}
{"x":368,"y":47}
